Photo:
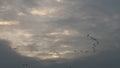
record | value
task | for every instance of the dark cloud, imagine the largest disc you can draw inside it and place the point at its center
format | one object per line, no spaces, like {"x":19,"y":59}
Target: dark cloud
{"x":106,"y":59}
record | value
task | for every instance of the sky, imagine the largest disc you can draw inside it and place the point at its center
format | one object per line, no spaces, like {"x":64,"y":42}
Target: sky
{"x":59,"y":34}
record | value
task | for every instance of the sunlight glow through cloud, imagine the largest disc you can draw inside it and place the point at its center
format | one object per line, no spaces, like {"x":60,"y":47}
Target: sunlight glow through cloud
{"x":43,"y":12}
{"x":55,"y":29}
{"x":42,"y":40}
{"x":59,"y":0}
{"x":5,"y":23}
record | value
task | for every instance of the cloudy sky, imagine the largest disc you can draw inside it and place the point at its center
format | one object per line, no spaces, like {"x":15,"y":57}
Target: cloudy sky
{"x":59,"y":34}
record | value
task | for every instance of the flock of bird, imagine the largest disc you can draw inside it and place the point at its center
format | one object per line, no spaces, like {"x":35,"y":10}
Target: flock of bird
{"x":95,"y":42}
{"x":94,"y":45}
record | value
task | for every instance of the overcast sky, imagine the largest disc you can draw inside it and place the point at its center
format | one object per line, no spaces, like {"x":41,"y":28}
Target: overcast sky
{"x":59,"y":34}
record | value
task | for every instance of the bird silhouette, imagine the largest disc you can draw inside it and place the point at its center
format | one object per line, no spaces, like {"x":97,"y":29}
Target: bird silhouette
{"x":92,"y":38}
{"x":95,"y":43}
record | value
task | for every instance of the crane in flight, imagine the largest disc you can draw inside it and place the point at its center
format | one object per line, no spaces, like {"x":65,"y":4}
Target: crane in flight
{"x":96,"y":42}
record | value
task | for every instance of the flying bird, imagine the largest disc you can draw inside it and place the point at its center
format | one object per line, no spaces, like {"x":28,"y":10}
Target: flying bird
{"x":92,"y":38}
{"x":95,"y":43}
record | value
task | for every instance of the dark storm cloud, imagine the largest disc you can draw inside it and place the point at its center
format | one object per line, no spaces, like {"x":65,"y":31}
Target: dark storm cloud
{"x":8,"y":58}
{"x":99,"y":18}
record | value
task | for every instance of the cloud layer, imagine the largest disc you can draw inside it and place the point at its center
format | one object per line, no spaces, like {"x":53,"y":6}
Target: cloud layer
{"x":61,"y":30}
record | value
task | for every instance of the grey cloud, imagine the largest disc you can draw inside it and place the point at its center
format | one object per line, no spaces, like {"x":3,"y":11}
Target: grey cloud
{"x":107,"y":59}
{"x":99,"y":18}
